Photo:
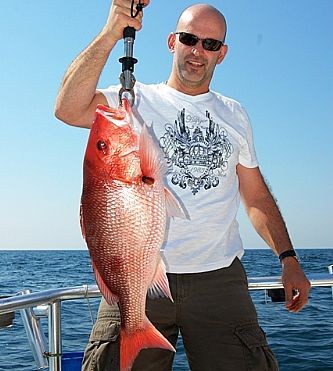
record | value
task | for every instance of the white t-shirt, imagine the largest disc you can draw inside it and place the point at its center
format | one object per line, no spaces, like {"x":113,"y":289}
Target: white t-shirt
{"x":203,"y":138}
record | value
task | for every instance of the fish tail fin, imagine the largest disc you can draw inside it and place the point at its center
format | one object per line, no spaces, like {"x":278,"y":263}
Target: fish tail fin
{"x":131,"y":344}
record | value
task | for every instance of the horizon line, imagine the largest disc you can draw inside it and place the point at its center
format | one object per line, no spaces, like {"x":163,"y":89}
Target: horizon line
{"x":86,"y":249}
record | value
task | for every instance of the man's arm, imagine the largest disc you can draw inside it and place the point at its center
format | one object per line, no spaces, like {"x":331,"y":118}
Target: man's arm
{"x":268,"y":222}
{"x":77,"y":98}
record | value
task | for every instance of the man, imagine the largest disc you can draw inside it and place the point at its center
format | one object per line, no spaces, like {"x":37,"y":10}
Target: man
{"x":207,"y":141}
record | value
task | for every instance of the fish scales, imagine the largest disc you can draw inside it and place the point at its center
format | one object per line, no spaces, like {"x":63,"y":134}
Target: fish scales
{"x":114,"y":223}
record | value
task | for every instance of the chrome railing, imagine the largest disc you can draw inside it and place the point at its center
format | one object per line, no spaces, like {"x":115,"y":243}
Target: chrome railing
{"x":53,"y":298}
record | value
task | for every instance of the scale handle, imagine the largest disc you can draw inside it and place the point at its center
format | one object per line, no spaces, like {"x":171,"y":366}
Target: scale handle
{"x":129,"y":32}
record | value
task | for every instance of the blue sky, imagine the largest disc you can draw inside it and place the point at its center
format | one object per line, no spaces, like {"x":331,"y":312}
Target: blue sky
{"x":279,"y":66}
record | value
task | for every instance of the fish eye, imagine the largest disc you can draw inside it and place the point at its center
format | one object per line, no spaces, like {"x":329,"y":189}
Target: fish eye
{"x":101,"y":145}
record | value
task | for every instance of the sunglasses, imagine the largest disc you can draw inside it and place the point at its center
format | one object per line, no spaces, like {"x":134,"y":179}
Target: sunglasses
{"x":190,"y":40}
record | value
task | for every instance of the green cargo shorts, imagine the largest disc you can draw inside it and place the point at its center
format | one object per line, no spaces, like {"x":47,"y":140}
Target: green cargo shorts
{"x":215,"y":316}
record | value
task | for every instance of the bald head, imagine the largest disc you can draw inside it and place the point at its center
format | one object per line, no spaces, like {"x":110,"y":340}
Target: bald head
{"x":204,"y":13}
{"x":194,"y":62}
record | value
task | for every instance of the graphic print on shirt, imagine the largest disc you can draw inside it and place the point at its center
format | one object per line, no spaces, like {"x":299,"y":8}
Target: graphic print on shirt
{"x":197,"y":151}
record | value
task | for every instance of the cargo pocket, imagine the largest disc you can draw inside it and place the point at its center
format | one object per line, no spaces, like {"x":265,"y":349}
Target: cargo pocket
{"x":102,"y":352}
{"x":257,"y":354}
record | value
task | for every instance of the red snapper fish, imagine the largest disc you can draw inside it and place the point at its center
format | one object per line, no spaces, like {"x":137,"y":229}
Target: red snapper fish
{"x":124,"y":211}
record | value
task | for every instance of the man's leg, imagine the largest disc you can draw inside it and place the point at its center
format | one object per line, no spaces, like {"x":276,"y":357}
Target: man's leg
{"x":219,"y":323}
{"x":102,"y":351}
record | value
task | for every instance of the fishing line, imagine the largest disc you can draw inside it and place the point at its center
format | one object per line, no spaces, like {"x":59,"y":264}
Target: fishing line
{"x":89,"y":305}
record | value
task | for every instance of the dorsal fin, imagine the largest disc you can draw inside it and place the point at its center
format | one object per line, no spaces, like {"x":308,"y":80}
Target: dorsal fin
{"x":160,"y":284}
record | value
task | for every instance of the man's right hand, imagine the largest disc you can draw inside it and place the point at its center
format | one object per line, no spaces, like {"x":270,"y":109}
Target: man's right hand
{"x":120,"y":17}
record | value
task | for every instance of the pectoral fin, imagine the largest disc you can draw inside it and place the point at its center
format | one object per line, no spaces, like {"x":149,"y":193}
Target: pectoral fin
{"x":174,"y":208}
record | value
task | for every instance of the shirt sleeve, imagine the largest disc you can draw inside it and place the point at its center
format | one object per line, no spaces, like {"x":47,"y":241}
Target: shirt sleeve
{"x":111,"y":95}
{"x":247,"y":154}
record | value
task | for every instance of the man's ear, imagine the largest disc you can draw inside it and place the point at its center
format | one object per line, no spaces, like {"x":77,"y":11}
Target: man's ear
{"x":171,"y":42}
{"x":223,"y":53}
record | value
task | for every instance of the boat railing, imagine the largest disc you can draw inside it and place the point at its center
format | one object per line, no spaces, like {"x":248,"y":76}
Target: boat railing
{"x":33,"y":305}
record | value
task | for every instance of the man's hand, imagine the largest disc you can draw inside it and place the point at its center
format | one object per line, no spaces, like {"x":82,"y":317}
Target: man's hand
{"x":268,"y":222}
{"x":77,"y":98}
{"x":120,"y":17}
{"x":294,"y":279}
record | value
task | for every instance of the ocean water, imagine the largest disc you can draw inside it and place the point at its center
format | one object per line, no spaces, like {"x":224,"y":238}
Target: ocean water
{"x":301,"y":341}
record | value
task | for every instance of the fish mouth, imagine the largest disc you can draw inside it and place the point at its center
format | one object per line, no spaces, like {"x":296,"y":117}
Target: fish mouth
{"x":114,"y":116}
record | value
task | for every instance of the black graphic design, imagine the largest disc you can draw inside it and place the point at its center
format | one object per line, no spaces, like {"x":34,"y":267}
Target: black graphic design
{"x":197,"y":151}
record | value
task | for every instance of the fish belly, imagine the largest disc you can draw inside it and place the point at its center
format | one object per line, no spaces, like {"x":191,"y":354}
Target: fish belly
{"x":124,"y":229}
